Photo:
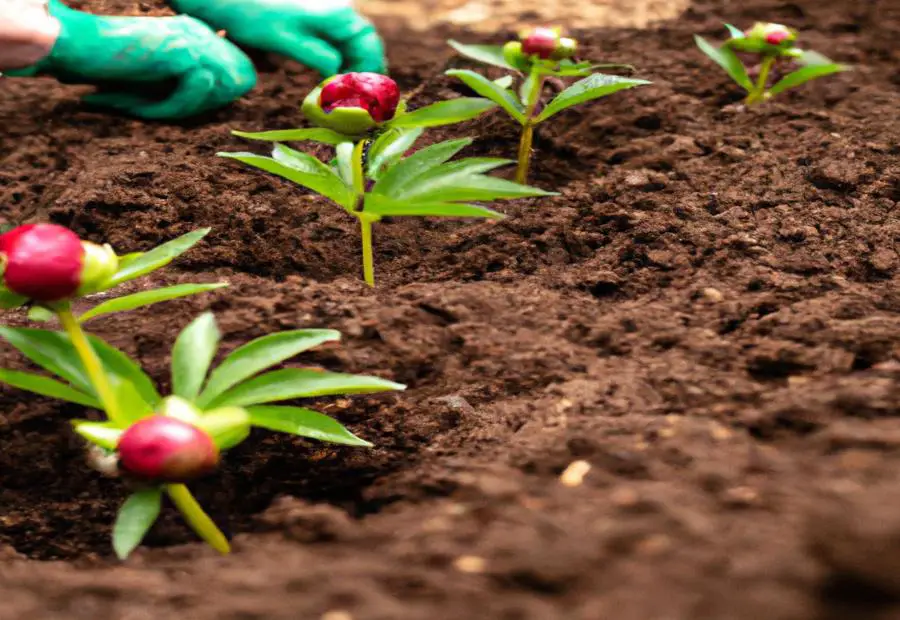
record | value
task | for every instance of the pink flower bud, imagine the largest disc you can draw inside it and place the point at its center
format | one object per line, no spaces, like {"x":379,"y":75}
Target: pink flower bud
{"x":541,"y":42}
{"x":377,"y":94}
{"x":777,"y":37}
{"x":41,"y":261}
{"x":166,"y":449}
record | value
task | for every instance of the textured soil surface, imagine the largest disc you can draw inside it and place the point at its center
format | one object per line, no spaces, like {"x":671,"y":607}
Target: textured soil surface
{"x":708,"y":316}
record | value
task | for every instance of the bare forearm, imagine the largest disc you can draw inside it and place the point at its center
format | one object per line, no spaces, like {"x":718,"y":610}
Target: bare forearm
{"x":27,"y":33}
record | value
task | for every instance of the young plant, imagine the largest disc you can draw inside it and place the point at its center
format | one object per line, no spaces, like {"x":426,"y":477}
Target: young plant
{"x":774,"y":47}
{"x":158,"y":444}
{"x":371,"y":176}
{"x":46,"y":267}
{"x":539,"y":55}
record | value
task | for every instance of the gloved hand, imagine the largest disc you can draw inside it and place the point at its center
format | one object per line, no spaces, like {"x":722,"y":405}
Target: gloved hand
{"x":126,"y":55}
{"x":325,"y":35}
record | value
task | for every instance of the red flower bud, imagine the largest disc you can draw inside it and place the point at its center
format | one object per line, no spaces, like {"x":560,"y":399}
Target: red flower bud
{"x":777,"y":37}
{"x":377,"y":94}
{"x":541,"y":42}
{"x":166,"y":449}
{"x":41,"y":261}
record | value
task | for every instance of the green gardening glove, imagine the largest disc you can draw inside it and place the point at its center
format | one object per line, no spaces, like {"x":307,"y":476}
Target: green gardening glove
{"x":127,"y":58}
{"x":325,"y":35}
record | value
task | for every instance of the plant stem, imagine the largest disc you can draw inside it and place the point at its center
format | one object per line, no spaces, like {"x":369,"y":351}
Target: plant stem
{"x":759,"y":92}
{"x":365,"y":222}
{"x":527,"y":140}
{"x":91,"y":363}
{"x":193,"y":513}
{"x":197,"y":518}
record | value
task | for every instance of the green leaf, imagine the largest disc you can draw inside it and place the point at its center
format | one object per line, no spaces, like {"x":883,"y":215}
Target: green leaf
{"x":40,"y":314}
{"x":136,"y":516}
{"x":390,"y":147}
{"x":132,"y":405}
{"x":9,"y":300}
{"x":259,"y":354}
{"x":45,"y":386}
{"x":119,"y":364}
{"x":486,"y":88}
{"x":417,"y":164}
{"x":103,"y":434}
{"x":728,"y":60}
{"x":447,"y":174}
{"x":148,"y":298}
{"x":290,"y":383}
{"x":345,"y":161}
{"x":305,"y":423}
{"x":590,"y":88}
{"x":388,"y":207}
{"x":478,"y":187}
{"x":318,"y":134}
{"x":156,"y":258}
{"x":228,"y":426}
{"x":809,"y":57}
{"x":487,"y":54}
{"x":323,"y":181}
{"x":801,"y":76}
{"x":52,"y":351}
{"x":735,"y":32}
{"x":526,"y":86}
{"x":445,"y":113}
{"x":192,"y":355}
{"x":506,"y":81}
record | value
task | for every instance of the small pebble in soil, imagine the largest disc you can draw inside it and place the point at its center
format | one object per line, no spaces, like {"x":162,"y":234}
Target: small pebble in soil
{"x":337,"y":614}
{"x":574,"y":474}
{"x":713,"y":295}
{"x":470,"y":564}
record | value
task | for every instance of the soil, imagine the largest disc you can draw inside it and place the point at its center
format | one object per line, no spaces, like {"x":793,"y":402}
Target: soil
{"x":707,"y":316}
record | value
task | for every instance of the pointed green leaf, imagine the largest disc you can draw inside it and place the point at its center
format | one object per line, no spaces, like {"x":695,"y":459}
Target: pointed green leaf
{"x":470,"y":187}
{"x":390,"y":147}
{"x":728,"y":60}
{"x":52,"y":351}
{"x":344,"y":158}
{"x":506,"y":82}
{"x":527,"y":85}
{"x":417,"y":164}
{"x":801,"y":76}
{"x":387,"y":207}
{"x":157,"y":258}
{"x":325,"y":182}
{"x":448,"y":174}
{"x":317,"y":134}
{"x":9,"y":300}
{"x":290,"y":383}
{"x":192,"y":355}
{"x":590,"y":88}
{"x":735,"y":32}
{"x":45,"y":386}
{"x":103,"y":434}
{"x":305,"y":423}
{"x":445,"y":113}
{"x":132,"y":406}
{"x":486,"y":88}
{"x":136,"y":516}
{"x":259,"y":354}
{"x":119,"y":364}
{"x":487,"y":54}
{"x":148,"y":298}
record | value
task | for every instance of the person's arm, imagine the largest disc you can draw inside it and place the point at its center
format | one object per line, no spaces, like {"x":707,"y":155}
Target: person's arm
{"x":130,"y":58}
{"x":328,"y":36}
{"x":27,"y":33}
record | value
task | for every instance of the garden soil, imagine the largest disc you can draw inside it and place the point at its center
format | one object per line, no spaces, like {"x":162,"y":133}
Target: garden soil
{"x":707,"y":317}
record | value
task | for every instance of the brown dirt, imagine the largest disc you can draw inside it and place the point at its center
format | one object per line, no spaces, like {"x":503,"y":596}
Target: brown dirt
{"x":708,"y":315}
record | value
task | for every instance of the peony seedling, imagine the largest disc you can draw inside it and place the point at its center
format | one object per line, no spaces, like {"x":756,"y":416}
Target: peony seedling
{"x":774,"y":48}
{"x":539,"y":55}
{"x":157,"y":444}
{"x":372,"y":175}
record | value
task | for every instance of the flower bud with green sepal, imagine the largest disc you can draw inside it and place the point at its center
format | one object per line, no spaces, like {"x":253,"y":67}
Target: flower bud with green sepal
{"x":353,"y":104}
{"x":767,"y":39}
{"x":166,"y":449}
{"x":100,"y":265}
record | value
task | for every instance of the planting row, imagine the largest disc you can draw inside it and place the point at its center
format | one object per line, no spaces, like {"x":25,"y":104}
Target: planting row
{"x":157,"y":443}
